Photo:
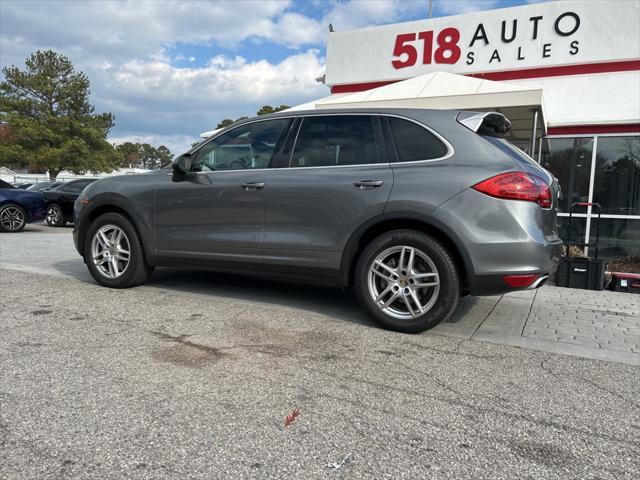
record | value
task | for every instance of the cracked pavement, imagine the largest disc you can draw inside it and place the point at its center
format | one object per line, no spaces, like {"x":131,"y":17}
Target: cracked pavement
{"x":193,"y":375}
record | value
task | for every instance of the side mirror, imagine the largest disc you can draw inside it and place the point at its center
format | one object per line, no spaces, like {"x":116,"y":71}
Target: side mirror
{"x":181,"y":166}
{"x":183,"y":163}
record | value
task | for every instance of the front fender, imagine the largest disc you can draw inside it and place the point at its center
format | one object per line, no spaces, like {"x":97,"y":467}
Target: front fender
{"x":139,"y":210}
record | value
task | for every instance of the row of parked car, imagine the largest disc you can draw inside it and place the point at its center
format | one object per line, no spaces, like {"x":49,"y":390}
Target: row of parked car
{"x":50,"y":201}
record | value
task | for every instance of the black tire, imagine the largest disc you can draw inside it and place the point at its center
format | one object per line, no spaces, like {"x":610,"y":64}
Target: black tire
{"x":13,"y":218}
{"x":138,"y":270}
{"x":449,"y":289}
{"x":55,"y":217}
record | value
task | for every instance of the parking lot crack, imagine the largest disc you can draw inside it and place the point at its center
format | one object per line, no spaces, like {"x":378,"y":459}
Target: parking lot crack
{"x":590,"y":382}
{"x":181,"y":339}
{"x":485,"y":318}
{"x":526,"y":320}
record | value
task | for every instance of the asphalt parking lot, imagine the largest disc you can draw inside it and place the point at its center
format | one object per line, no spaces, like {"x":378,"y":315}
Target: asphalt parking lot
{"x":193,"y":374}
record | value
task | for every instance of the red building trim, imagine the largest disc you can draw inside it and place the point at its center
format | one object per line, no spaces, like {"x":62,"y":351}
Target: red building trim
{"x":360,"y":87}
{"x":592,"y":129}
{"x":623,"y":66}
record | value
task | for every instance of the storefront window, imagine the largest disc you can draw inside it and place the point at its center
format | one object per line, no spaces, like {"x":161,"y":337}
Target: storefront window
{"x":578,"y":227}
{"x":616,"y":187}
{"x":569,"y":159}
{"x":617,"y":177}
{"x":619,"y":238}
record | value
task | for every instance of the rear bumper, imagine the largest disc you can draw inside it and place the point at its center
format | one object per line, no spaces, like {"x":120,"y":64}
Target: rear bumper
{"x":502,"y":238}
{"x":495,"y":284}
{"x":36,"y":209}
{"x":38,"y":214}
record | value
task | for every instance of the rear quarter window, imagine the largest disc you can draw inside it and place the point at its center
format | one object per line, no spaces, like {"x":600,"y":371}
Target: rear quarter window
{"x":414,"y":142}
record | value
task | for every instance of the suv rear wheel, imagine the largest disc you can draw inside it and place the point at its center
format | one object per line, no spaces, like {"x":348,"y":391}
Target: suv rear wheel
{"x":113,"y":252}
{"x":407,"y":281}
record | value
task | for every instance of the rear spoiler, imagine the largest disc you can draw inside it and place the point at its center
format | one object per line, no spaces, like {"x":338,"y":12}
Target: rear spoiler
{"x":492,"y":124}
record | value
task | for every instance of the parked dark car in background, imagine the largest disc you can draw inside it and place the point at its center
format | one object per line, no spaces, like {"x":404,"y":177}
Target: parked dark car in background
{"x":60,"y":201}
{"x":414,"y":208}
{"x":19,"y":207}
{"x":22,"y":186}
{"x":42,"y":186}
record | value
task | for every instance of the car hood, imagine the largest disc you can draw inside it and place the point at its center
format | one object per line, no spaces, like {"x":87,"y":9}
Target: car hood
{"x":123,"y":183}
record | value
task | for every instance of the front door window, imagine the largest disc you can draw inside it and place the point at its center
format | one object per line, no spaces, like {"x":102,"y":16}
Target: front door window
{"x":250,"y":146}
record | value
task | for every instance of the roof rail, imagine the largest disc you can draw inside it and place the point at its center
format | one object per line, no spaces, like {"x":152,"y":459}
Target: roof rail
{"x":492,"y":124}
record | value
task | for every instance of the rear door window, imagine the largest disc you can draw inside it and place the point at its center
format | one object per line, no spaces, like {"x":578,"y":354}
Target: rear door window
{"x":335,"y":140}
{"x":414,"y":142}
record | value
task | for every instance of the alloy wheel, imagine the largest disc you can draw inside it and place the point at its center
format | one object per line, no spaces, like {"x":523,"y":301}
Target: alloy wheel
{"x":12,"y":218}
{"x":403,"y":282}
{"x":54,"y":215}
{"x":110,"y":251}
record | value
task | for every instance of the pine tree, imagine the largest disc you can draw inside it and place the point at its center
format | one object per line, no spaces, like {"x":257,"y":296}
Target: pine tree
{"x":52,"y":126}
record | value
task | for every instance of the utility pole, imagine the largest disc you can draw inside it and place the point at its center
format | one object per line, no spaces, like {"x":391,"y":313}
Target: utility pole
{"x":430,"y":5}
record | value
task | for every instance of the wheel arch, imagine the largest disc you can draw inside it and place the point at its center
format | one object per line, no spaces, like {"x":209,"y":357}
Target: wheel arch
{"x":387,"y":222}
{"x":99,"y":209}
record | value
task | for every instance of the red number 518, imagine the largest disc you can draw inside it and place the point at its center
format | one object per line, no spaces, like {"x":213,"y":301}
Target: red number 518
{"x":447,"y":41}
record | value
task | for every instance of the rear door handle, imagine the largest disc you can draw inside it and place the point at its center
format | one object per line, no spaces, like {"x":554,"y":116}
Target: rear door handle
{"x":367,"y":184}
{"x":252,"y":185}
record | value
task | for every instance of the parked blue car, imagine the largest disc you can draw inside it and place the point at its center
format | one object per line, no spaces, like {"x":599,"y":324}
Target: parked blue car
{"x":19,"y":207}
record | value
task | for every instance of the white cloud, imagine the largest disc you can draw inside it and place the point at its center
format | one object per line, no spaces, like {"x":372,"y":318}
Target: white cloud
{"x":160,"y":97}
{"x":456,"y":7}
{"x":125,"y":49}
{"x":125,"y":29}
{"x":356,"y":14}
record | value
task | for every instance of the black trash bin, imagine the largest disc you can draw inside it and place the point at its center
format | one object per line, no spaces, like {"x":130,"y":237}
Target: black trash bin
{"x":576,"y":272}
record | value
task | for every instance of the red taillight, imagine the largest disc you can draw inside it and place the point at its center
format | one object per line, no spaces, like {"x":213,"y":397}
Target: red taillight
{"x":520,"y":281}
{"x":517,"y":186}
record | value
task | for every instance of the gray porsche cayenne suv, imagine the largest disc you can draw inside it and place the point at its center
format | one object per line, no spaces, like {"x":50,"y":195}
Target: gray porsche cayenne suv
{"x":413,"y":208}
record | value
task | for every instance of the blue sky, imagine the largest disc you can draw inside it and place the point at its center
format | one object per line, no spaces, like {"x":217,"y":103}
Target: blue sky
{"x":170,"y":69}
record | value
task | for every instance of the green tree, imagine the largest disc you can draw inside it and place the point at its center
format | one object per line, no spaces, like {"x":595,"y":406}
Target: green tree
{"x":129,"y":154}
{"x":164,"y":156}
{"x":266,"y":109}
{"x":53,"y":126}
{"x":224,"y":123}
{"x":143,"y":155}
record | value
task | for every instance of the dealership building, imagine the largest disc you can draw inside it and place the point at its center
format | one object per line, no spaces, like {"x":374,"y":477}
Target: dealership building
{"x":566,"y":73}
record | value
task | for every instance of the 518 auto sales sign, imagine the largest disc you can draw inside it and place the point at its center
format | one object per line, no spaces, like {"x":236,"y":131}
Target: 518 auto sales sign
{"x":519,"y":38}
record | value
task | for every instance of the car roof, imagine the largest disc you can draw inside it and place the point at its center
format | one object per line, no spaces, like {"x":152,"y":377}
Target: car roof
{"x":76,"y":180}
{"x":409,"y":112}
{"x":420,"y":114}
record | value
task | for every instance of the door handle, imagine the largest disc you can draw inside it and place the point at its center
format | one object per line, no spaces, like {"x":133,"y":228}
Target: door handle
{"x":368,"y":184}
{"x":252,"y":185}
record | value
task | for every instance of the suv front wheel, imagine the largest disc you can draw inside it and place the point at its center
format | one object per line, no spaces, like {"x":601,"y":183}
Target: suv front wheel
{"x":407,"y":281}
{"x":113,"y":252}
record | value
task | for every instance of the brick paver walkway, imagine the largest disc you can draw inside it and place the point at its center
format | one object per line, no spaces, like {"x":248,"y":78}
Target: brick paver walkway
{"x":603,"y":325}
{"x":608,"y":320}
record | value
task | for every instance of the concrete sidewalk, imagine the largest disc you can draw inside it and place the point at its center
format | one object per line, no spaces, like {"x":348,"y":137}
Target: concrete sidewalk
{"x":600,"y":325}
